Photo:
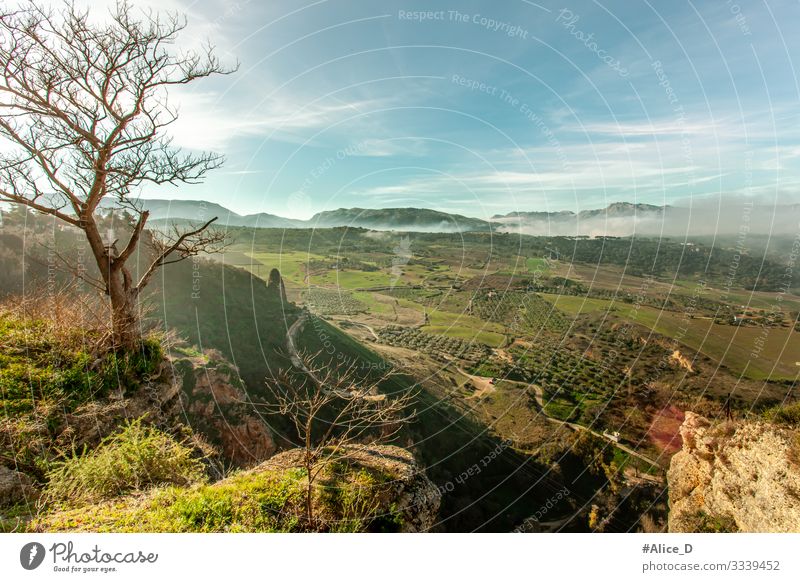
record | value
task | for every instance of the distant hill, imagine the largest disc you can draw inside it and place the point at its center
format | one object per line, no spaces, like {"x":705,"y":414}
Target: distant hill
{"x":200,"y":210}
{"x":408,"y":219}
{"x":615,"y":209}
{"x":704,"y":218}
{"x":416,"y":219}
{"x":730,"y":217}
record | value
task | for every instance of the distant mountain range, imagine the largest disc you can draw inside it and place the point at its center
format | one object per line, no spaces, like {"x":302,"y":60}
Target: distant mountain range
{"x":617,"y":219}
{"x":200,"y":210}
{"x":407,"y":219}
{"x":617,"y":209}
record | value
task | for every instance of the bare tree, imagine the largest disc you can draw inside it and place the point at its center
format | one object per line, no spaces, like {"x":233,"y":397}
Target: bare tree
{"x":333,"y":409}
{"x":86,"y":107}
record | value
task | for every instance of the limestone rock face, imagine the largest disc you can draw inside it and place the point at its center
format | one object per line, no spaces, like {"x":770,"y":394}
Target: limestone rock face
{"x":276,"y":286}
{"x":735,"y":476}
{"x":204,"y":392}
{"x":408,"y":490}
{"x":216,"y":405}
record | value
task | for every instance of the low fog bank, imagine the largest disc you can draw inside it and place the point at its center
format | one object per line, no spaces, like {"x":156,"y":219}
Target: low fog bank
{"x":730,"y":217}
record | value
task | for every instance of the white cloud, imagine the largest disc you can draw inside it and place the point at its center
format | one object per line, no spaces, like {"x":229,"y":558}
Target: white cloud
{"x":209,"y":121}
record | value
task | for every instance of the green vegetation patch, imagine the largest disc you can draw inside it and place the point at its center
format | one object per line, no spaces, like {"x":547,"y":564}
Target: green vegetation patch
{"x":136,"y":458}
{"x":347,"y":498}
{"x":39,"y":365}
{"x":442,"y":344}
{"x":333,"y":302}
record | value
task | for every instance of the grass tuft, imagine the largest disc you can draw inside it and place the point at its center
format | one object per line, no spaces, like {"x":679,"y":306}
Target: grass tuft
{"x":136,"y":458}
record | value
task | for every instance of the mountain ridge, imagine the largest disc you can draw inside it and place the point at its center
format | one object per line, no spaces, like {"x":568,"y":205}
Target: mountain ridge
{"x":616,"y":219}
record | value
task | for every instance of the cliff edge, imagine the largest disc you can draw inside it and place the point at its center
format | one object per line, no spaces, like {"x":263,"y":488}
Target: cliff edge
{"x":735,"y":476}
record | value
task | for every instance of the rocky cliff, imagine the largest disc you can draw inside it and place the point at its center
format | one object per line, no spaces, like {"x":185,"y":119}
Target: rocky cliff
{"x":202,"y":391}
{"x":214,"y":403}
{"x":405,"y":493}
{"x":187,"y":389}
{"x":735,"y":476}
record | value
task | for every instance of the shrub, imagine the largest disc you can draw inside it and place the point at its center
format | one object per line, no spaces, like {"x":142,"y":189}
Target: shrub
{"x":702,"y":522}
{"x":136,"y":458}
{"x":785,"y":414}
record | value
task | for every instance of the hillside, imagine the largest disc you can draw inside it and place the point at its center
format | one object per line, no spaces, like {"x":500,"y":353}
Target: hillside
{"x":200,"y":211}
{"x":702,"y":219}
{"x":95,"y":442}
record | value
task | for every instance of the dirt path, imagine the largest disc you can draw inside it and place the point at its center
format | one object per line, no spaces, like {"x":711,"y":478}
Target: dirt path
{"x":486,"y":388}
{"x":291,"y":343}
{"x":482,"y":384}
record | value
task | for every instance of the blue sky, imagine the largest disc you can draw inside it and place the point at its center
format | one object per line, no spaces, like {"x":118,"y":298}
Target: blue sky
{"x":488,"y":107}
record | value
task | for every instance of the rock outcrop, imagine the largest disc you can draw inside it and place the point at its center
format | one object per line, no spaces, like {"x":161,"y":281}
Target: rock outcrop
{"x":735,"y":476}
{"x":201,"y":391}
{"x":217,"y":406}
{"x":275,"y":285}
{"x":407,"y":491}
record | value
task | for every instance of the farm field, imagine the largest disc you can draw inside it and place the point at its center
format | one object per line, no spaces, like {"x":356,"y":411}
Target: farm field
{"x":755,"y":352}
{"x":469,"y":303}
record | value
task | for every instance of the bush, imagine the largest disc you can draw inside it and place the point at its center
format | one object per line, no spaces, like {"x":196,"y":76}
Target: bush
{"x":786,"y":414}
{"x":136,"y":458}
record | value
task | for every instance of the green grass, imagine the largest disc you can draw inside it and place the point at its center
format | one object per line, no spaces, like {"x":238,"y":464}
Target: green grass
{"x":250,"y":502}
{"x":40,"y":365}
{"x":534,"y":264}
{"x":574,"y":305}
{"x":374,"y":305}
{"x":43,"y":366}
{"x":136,"y":458}
{"x":346,"y":498}
{"x":347,"y":279}
{"x":464,"y":327}
{"x":788,"y":414}
{"x":291,"y":264}
{"x":560,"y":409}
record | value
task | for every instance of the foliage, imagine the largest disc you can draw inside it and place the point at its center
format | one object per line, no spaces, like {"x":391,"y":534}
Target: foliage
{"x":348,"y":498}
{"x":136,"y":458}
{"x":702,"y":522}
{"x":41,"y":364}
{"x":413,"y":338}
{"x":333,"y":302}
{"x":784,"y":414}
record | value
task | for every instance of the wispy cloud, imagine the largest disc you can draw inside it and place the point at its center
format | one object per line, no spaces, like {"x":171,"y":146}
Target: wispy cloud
{"x":208,"y":121}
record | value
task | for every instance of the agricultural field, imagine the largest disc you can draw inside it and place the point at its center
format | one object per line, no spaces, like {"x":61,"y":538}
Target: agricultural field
{"x":433,"y":343}
{"x":332,"y":302}
{"x":606,"y":345}
{"x":759,"y":353}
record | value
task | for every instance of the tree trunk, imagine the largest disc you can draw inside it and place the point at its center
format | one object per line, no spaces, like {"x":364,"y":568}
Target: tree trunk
{"x":124,"y":319}
{"x":310,"y":500}
{"x":309,"y":459}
